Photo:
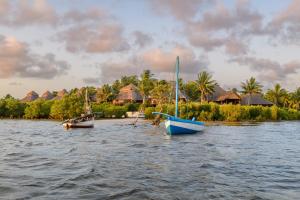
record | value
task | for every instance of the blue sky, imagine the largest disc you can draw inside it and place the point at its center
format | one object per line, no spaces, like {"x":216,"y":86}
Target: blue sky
{"x":56,"y":44}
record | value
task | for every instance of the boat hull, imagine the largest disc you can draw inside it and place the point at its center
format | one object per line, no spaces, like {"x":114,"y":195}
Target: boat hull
{"x":178,"y":127}
{"x":87,"y":124}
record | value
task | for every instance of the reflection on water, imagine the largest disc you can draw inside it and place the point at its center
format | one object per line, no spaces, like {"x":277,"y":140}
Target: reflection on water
{"x":39,"y":159}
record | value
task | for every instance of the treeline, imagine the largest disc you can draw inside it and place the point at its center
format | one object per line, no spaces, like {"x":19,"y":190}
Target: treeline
{"x":69,"y":106}
{"x":286,"y":103}
{"x":226,"y":112}
{"x":72,"y":105}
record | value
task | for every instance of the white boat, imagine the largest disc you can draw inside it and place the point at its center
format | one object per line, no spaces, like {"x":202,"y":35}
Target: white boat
{"x":175,"y":125}
{"x":135,"y":114}
{"x":85,"y":120}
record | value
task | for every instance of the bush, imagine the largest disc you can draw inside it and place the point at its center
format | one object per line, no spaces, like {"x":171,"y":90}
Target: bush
{"x":230,"y":112}
{"x":274,"y":113}
{"x":106,"y":110}
{"x":132,"y":107}
{"x":148,"y":112}
{"x":38,"y":109}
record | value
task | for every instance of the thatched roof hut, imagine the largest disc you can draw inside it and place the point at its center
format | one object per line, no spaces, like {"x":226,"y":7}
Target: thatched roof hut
{"x":31,"y":96}
{"x":229,"y":97}
{"x":218,"y":91}
{"x":61,"y":94}
{"x":47,"y":95}
{"x":255,"y":99}
{"x":129,"y":93}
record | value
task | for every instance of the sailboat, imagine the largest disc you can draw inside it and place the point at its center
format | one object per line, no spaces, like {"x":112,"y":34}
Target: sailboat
{"x":86,"y":120}
{"x":175,"y":125}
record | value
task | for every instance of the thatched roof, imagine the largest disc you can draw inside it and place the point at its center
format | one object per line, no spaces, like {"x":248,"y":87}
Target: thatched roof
{"x":61,"y":94}
{"x":218,"y":91}
{"x":181,"y":94}
{"x":230,"y":95}
{"x":31,"y":96}
{"x":255,"y":99}
{"x":129,"y":92}
{"x":47,"y":96}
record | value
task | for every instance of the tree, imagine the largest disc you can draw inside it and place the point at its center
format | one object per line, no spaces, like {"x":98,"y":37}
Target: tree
{"x":68,"y":107}
{"x":38,"y":109}
{"x":294,"y":100}
{"x":277,"y":95}
{"x":116,"y":86}
{"x":191,"y":90}
{"x":14,"y":108}
{"x":146,"y":84}
{"x":161,"y":92}
{"x":205,"y":84}
{"x":126,"y":80}
{"x":2,"y":108}
{"x":250,"y":87}
{"x":104,"y":94}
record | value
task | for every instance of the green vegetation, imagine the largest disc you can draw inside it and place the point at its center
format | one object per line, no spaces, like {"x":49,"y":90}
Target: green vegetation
{"x":205,"y":84}
{"x":286,"y":104}
{"x":227,"y":112}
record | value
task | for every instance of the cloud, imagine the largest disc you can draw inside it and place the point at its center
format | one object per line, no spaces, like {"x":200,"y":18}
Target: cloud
{"x":269,"y":70}
{"x":205,"y":41}
{"x":160,"y":62}
{"x":90,"y":15}
{"x":181,"y":10}
{"x":92,"y":80}
{"x":16,"y":60}
{"x":289,"y":15}
{"x":235,"y":47}
{"x":142,"y":39}
{"x":94,"y":39}
{"x":164,"y":61}
{"x":27,"y":12}
{"x":225,"y":27}
{"x":112,"y":70}
{"x":15,"y":84}
{"x":286,"y":24}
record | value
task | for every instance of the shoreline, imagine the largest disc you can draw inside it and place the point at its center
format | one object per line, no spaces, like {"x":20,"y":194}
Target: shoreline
{"x":208,"y":123}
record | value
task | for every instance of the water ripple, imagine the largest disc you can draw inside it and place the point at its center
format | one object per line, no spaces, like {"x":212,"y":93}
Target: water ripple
{"x":40,"y":160}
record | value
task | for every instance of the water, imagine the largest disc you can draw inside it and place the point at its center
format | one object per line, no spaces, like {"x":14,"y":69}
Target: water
{"x":41,"y":160}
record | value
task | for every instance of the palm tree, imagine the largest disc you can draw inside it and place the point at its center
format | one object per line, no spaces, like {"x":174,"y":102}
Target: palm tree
{"x":161,"y":91}
{"x":295,"y":99}
{"x":277,"y":95}
{"x":250,"y":87}
{"x":145,"y":84}
{"x":104,"y":94}
{"x":205,"y":84}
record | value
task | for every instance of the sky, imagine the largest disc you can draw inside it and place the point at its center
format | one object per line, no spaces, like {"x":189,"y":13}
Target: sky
{"x":57,"y":44}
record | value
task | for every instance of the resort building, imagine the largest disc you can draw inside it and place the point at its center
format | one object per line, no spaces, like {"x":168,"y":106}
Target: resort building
{"x":31,"y":96}
{"x":47,"y":96}
{"x":255,"y":100}
{"x":218,"y":91}
{"x":128,"y":94}
{"x":61,"y":94}
{"x":229,"y":97}
{"x":221,"y":96}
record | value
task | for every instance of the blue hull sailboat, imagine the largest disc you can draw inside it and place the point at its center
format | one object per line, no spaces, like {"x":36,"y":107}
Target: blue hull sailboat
{"x":174,"y":124}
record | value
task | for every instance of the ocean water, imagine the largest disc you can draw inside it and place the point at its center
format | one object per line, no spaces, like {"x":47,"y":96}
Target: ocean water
{"x":114,"y":160}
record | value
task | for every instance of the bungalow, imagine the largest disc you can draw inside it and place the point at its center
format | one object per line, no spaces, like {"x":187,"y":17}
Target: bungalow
{"x":128,"y":94}
{"x":47,"y":96}
{"x":255,"y":99}
{"x":218,"y":91}
{"x":31,"y":96}
{"x":229,"y":97}
{"x":224,"y":97}
{"x":61,"y":94}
